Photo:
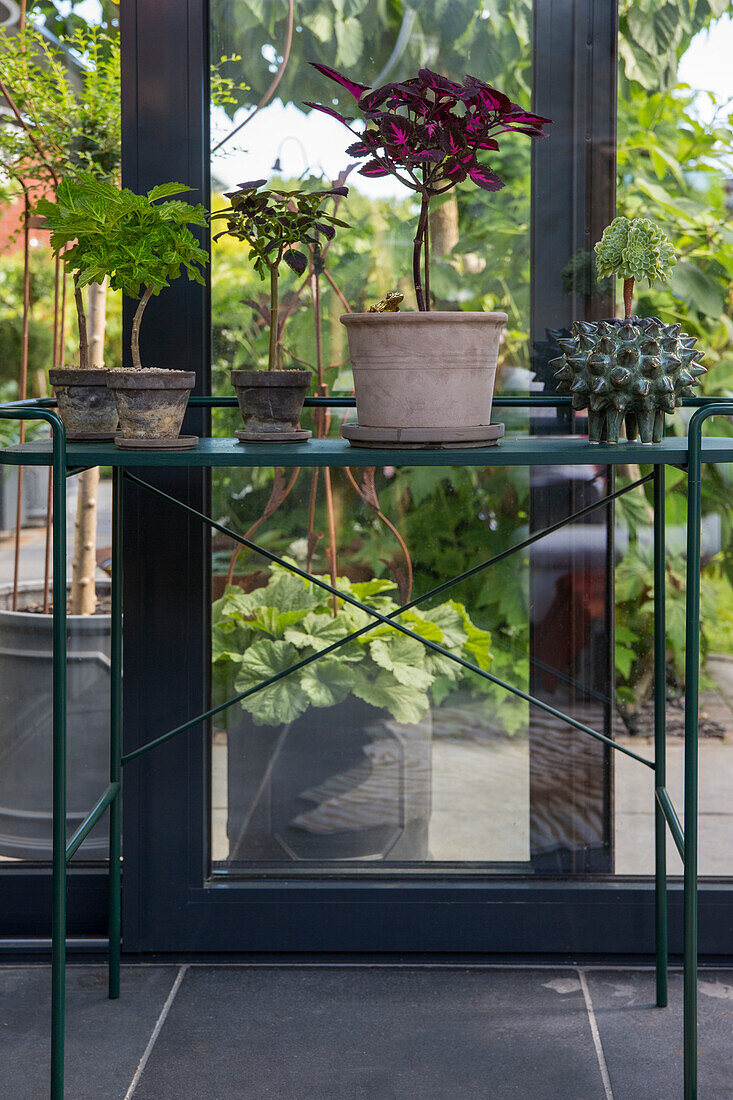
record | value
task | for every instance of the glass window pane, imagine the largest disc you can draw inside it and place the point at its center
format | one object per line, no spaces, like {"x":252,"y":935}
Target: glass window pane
{"x":382,"y":753}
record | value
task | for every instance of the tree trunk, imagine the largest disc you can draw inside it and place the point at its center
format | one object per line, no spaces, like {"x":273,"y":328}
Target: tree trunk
{"x":444,"y":226}
{"x":84,"y":564}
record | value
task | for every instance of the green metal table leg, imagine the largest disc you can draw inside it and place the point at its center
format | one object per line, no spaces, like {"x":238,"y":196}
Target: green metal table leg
{"x":692,"y":684}
{"x":58,"y":924}
{"x":115,"y":740}
{"x":660,"y":755}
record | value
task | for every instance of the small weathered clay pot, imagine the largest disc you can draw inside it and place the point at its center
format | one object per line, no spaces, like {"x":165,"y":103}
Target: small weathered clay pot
{"x":430,"y":373}
{"x":85,"y":405}
{"x":151,"y":402}
{"x":271,"y":401}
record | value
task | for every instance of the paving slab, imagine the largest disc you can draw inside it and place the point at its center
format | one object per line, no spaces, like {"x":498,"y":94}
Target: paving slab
{"x":104,"y":1039}
{"x":642,"y":1044}
{"x":380,"y":1033}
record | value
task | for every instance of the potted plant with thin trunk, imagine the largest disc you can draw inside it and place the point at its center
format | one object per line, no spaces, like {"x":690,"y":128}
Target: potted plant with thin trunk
{"x":629,"y":370}
{"x":141,"y":243}
{"x":426,"y":377}
{"x":276,"y":225}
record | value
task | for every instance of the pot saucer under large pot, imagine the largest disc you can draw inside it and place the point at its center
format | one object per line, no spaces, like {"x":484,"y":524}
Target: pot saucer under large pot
{"x":424,"y":379}
{"x":85,"y":404}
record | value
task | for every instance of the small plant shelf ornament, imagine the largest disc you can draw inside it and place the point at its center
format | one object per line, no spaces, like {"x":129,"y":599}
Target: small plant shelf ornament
{"x":633,"y":370}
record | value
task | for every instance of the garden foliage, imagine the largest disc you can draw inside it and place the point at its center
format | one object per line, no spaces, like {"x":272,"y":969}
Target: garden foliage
{"x":261,"y":633}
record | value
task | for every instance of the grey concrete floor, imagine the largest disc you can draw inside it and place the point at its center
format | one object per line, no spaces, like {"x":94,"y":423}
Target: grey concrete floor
{"x":295,"y":1032}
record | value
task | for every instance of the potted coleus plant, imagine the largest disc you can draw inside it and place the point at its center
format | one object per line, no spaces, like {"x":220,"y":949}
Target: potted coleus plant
{"x":332,"y":762}
{"x":427,"y":377}
{"x":629,"y":370}
{"x":275,"y":225}
{"x":141,"y":244}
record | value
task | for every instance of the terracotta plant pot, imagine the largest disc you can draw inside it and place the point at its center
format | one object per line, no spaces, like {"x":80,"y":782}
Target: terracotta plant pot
{"x":423,"y":377}
{"x":85,"y":405}
{"x":271,"y":403}
{"x":151,"y":404}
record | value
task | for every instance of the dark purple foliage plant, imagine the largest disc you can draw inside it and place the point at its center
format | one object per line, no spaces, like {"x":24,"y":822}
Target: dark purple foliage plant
{"x":428,"y":132}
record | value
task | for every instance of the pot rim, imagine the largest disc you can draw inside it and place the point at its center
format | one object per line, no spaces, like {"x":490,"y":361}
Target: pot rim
{"x":270,"y":378}
{"x":150,"y":378}
{"x":78,"y":376}
{"x":451,"y":316}
{"x":26,"y":587}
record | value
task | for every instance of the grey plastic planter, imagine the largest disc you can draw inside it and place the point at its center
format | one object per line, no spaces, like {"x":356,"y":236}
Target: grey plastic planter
{"x":25,"y":728}
{"x":35,"y":492}
{"x":345,"y":782}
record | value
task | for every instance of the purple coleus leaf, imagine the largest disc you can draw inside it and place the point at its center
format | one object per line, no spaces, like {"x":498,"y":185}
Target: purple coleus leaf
{"x":396,"y":131}
{"x":484,"y":178}
{"x":330,"y":111}
{"x":517,"y":114}
{"x":362,"y":148}
{"x":351,"y":85}
{"x":451,"y":143}
{"x":434,"y":155}
{"x":373,"y":169}
{"x":438,"y":83}
{"x":490,"y":98}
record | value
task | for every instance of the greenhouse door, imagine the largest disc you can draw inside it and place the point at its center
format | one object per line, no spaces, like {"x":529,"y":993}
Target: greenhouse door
{"x":481,"y":836}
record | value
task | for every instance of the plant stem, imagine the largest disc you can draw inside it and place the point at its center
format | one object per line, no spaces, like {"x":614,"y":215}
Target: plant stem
{"x":628,"y":297}
{"x":135,"y":342}
{"x":274,"y":312}
{"x":417,"y":252}
{"x":427,"y":263}
{"x":82,"y":319}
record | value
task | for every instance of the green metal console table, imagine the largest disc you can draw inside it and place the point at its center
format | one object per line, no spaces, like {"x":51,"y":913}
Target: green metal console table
{"x":66,"y":459}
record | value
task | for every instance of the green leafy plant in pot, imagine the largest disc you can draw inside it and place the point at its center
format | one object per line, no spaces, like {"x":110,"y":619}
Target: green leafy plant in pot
{"x":141,"y":244}
{"x":276,"y":225}
{"x":357,"y":716}
{"x":630,"y":370}
{"x":427,"y":377}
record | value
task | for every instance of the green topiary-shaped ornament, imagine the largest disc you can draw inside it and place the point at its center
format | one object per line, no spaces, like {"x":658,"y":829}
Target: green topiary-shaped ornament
{"x":635,"y":370}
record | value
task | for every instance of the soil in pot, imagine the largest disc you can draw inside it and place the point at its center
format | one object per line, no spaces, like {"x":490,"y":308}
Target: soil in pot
{"x":151,"y":404}
{"x":424,"y":377}
{"x":85,"y":404}
{"x":26,"y":658}
{"x":339,"y":783}
{"x":271,"y":403}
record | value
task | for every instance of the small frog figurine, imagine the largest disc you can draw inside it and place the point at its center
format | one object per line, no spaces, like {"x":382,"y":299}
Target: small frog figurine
{"x":389,"y":304}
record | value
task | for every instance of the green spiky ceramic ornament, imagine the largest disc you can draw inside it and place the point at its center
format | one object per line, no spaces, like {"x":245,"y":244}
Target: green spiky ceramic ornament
{"x":636,"y":370}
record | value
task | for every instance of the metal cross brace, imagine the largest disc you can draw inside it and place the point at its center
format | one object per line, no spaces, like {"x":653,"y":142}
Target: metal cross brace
{"x":389,"y":620}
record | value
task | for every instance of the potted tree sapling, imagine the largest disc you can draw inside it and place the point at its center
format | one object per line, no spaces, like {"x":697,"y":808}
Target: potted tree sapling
{"x":275,"y":225}
{"x":426,"y":377}
{"x":630,"y":369}
{"x":141,"y":244}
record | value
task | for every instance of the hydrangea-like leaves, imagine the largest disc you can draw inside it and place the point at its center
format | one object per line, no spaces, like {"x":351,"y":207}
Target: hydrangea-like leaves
{"x":635,"y":249}
{"x":632,"y":371}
